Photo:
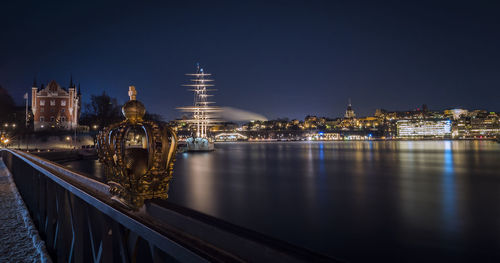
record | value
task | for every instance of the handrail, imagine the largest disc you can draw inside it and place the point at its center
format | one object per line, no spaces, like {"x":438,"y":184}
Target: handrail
{"x":78,"y":211}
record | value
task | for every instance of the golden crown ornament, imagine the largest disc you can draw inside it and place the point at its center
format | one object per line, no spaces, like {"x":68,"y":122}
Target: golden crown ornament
{"x":138,"y":156}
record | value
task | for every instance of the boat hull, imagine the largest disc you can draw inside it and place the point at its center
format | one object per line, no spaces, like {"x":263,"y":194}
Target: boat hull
{"x":199,"y":145}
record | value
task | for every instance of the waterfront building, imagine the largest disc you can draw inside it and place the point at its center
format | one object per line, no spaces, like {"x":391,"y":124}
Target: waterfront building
{"x":323,"y":136}
{"x":55,"y":107}
{"x":423,"y":128}
{"x":477,"y":126}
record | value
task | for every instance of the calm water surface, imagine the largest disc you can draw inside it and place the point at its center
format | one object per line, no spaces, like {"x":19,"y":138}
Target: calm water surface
{"x":357,"y":201}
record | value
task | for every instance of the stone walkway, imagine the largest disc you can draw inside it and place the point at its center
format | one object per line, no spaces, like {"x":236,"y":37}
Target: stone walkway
{"x":19,"y":240}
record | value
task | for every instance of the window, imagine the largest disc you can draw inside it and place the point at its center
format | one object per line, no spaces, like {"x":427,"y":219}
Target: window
{"x":63,"y":119}
{"x":63,"y":102}
{"x":42,"y":102}
{"x":42,"y":109}
{"x":52,"y":110}
{"x":63,"y":110}
{"x":52,"y":102}
{"x":42,"y":119}
{"x":52,"y":118}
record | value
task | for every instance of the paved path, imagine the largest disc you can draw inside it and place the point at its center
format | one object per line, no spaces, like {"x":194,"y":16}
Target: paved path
{"x":19,"y":240}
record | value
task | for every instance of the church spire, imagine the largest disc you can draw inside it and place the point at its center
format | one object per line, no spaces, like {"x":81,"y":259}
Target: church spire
{"x":349,"y":113}
{"x":71,"y":81}
{"x":79,"y":91}
{"x":34,"y":82}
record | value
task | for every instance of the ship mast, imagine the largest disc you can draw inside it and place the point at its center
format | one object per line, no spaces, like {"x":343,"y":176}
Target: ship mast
{"x":203,"y":113}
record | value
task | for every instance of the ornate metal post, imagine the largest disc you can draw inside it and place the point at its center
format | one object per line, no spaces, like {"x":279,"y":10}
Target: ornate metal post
{"x":138,"y":156}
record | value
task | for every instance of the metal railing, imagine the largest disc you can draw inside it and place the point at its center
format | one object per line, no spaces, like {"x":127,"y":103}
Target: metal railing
{"x":79,"y":222}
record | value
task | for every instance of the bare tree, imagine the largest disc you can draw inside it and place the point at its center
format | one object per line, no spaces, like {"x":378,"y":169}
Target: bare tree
{"x":102,"y":110}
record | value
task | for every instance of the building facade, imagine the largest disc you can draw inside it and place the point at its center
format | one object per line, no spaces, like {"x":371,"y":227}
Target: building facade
{"x":477,"y":126}
{"x":349,"y":113}
{"x":54,"y":107}
{"x":424,"y":128}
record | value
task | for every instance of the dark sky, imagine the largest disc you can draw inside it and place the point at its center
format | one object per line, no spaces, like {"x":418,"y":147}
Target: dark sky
{"x":276,"y":58}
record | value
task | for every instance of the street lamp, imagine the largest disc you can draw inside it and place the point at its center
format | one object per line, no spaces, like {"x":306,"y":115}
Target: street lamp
{"x":74,"y":122}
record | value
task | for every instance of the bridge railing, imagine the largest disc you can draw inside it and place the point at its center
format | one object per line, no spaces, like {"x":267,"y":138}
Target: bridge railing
{"x":79,"y":222}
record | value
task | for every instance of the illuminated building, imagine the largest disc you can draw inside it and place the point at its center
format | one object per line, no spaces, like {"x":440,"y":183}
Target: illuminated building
{"x":311,"y":122}
{"x":423,"y":128}
{"x":349,"y":113}
{"x":368,"y":123}
{"x":323,"y":136}
{"x":55,"y":107}
{"x":224,"y":126}
{"x":455,"y":113}
{"x":479,"y":125}
{"x":380,"y":113}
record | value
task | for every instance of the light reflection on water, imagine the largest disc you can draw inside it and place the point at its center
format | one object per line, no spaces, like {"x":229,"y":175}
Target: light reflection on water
{"x":449,"y":198}
{"x":399,"y":200}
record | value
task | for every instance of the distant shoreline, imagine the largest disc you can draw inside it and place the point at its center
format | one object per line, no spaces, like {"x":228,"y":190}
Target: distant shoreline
{"x":385,"y":140}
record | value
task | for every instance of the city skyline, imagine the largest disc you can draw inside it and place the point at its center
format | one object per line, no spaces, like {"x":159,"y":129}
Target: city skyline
{"x":238,"y":112}
{"x":282,"y":59}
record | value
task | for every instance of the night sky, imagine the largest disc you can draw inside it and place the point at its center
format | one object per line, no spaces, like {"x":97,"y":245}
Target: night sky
{"x":275,"y":58}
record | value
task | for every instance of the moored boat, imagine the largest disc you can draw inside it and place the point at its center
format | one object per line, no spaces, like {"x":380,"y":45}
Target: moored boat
{"x":204,"y":115}
{"x":199,"y":145}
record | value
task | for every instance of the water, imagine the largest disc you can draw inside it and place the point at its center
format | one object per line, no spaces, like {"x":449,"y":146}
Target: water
{"x":357,"y":201}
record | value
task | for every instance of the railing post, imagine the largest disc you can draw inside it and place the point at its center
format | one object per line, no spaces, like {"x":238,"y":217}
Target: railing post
{"x":51,"y":221}
{"x":82,"y":241}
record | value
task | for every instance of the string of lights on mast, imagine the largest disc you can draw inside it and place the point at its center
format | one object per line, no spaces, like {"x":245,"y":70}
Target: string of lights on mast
{"x":204,"y":115}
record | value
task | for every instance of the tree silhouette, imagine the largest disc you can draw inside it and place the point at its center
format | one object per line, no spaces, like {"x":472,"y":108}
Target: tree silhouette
{"x":7,"y":105}
{"x":102,"y":110}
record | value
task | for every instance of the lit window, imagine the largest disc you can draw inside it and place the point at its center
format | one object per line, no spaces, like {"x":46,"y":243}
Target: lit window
{"x":63,"y":102}
{"x":42,"y":119}
{"x":42,"y":102}
{"x":52,"y":102}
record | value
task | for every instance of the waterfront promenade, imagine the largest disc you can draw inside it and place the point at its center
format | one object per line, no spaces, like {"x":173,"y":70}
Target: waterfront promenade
{"x":19,"y":240}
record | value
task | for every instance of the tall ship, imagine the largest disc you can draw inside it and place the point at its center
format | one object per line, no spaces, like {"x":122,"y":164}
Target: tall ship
{"x":204,"y":114}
